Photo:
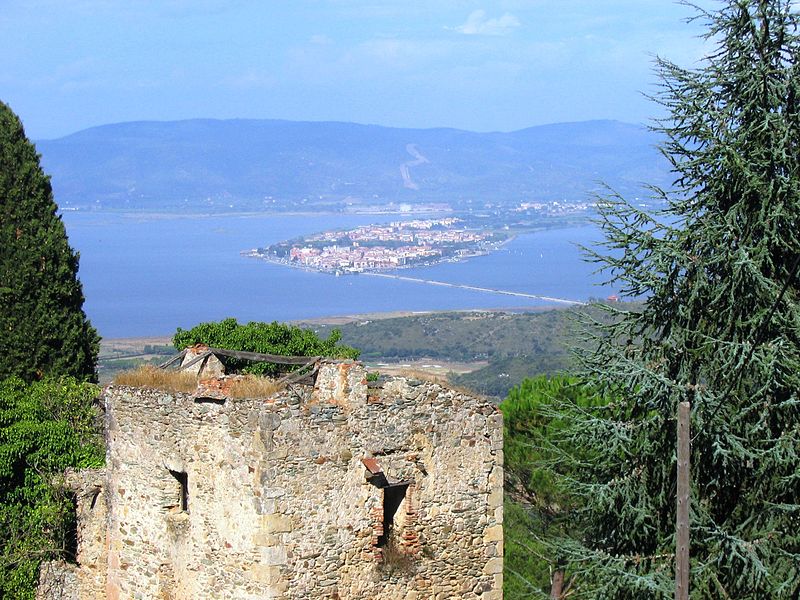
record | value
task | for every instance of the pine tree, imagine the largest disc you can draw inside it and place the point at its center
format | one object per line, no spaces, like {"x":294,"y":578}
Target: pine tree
{"x":43,"y":329}
{"x":719,"y":327}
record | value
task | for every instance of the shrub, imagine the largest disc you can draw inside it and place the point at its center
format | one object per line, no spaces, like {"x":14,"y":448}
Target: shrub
{"x":45,"y":427}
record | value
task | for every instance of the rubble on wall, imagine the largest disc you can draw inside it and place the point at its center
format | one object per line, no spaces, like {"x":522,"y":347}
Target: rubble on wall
{"x":205,"y":368}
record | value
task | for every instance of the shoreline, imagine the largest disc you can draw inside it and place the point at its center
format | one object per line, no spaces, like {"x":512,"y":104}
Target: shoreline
{"x":344,"y":319}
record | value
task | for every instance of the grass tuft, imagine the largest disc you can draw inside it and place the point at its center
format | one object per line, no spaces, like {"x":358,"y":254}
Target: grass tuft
{"x":396,"y":560}
{"x":246,"y":386}
{"x":153,"y":377}
{"x":252,"y":386}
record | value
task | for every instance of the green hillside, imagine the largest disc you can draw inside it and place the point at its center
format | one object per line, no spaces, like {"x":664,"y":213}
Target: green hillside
{"x":516,"y":345}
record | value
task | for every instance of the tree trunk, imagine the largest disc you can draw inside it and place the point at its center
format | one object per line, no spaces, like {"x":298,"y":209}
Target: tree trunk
{"x":556,"y":585}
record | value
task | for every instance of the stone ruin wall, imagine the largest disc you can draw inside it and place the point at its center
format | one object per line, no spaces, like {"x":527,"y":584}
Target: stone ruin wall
{"x":270,"y":499}
{"x":86,"y":579}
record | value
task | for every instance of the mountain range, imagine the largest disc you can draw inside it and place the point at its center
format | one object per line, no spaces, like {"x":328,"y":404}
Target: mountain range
{"x":253,"y":164}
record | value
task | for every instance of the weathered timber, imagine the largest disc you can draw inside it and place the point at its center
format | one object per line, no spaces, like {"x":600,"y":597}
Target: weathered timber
{"x":173,"y":360}
{"x":253,"y":356}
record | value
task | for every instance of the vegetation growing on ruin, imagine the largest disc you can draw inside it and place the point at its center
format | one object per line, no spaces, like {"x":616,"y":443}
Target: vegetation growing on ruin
{"x":264,"y":338}
{"x":243,"y":386}
{"x":45,"y":427}
{"x":153,"y":377}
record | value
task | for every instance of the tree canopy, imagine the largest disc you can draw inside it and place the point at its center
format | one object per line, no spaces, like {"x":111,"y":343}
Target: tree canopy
{"x":720,"y":328}
{"x":43,"y":329}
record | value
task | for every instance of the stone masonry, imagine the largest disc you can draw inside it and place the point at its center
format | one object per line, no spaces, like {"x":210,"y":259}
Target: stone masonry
{"x":336,"y":490}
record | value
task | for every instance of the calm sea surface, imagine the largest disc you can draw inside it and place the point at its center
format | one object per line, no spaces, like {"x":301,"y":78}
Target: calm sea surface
{"x":146,"y":275}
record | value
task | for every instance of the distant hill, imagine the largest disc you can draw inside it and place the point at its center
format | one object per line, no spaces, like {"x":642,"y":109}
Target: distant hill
{"x":250,"y":164}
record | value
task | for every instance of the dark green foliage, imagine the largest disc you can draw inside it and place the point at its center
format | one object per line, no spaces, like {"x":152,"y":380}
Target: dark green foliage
{"x":533,"y":428}
{"x":45,"y":427}
{"x":265,"y":338}
{"x":43,"y":329}
{"x":539,"y":502}
{"x":526,"y":569}
{"x":720,"y":329}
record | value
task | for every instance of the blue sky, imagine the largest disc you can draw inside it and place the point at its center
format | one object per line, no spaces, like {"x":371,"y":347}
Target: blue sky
{"x":477,"y":65}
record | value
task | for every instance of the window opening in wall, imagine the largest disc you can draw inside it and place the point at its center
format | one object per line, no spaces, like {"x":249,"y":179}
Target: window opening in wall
{"x":95,"y":496}
{"x":71,"y":537}
{"x":209,"y":400}
{"x":183,"y":479}
{"x":393,"y":496}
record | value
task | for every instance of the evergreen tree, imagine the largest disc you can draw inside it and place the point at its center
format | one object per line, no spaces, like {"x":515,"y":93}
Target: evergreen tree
{"x":43,"y":329}
{"x":720,"y":328}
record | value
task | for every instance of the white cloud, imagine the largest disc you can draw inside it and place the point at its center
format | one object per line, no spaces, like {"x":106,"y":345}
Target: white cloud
{"x":478,"y":24}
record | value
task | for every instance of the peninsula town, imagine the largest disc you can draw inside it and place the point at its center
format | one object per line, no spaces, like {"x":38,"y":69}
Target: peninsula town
{"x":383,"y":247}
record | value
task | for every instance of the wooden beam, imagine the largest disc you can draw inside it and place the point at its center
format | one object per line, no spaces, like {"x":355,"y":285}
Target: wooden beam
{"x":253,"y":356}
{"x":300,"y":375}
{"x":173,"y":360}
{"x":273,"y":358}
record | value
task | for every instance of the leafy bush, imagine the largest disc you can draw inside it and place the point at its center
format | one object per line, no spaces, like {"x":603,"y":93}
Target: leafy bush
{"x":45,"y":427}
{"x":264,"y":338}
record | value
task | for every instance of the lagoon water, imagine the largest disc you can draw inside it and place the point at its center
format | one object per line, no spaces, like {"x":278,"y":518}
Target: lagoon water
{"x":146,"y":275}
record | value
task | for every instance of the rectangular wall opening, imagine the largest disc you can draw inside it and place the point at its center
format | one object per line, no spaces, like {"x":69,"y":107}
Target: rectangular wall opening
{"x":209,"y":400}
{"x":183,"y":480}
{"x":71,"y":537}
{"x":393,"y":496}
{"x":95,"y":496}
